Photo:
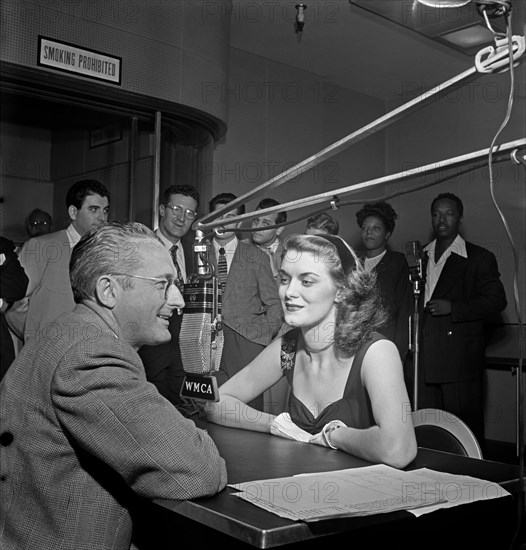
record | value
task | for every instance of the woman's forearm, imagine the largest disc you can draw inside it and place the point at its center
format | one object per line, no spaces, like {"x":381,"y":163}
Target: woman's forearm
{"x":232,"y":412}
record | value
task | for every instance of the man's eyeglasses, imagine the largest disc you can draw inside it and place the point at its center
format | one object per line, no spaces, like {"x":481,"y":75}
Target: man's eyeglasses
{"x":164,"y":284}
{"x":179,"y":210}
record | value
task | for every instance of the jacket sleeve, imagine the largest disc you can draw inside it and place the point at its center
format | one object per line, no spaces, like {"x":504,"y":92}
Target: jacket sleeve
{"x":13,"y":279}
{"x":104,"y":403}
{"x":486,"y":294}
{"x":268,"y":292}
{"x":33,"y":264}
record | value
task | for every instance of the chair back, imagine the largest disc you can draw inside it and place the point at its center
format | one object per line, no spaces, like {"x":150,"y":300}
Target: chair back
{"x":443,"y":431}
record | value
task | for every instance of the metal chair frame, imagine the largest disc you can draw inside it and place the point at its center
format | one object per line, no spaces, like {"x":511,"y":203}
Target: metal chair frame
{"x":449,"y":423}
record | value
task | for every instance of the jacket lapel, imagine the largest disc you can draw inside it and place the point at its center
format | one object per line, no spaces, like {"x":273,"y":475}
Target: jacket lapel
{"x":451,"y":273}
{"x":231,"y":277}
{"x":383,"y":264}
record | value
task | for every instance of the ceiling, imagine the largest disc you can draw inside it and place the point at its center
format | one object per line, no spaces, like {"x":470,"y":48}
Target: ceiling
{"x":352,"y":46}
{"x":342,"y":42}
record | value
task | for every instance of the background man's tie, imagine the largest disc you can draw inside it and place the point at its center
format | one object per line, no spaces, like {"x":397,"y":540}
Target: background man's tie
{"x":222,"y":268}
{"x":270,"y":253}
{"x":179,"y":280}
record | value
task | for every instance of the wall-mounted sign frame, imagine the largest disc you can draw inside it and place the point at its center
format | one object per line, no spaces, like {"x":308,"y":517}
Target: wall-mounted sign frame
{"x":69,"y":58}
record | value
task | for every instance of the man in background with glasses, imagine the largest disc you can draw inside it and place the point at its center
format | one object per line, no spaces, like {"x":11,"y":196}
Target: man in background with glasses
{"x":163,"y":363}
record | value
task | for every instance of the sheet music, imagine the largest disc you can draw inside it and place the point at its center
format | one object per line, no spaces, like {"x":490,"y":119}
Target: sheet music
{"x":364,"y":491}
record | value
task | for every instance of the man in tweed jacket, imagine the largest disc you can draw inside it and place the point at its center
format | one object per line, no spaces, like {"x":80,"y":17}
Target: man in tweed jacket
{"x":83,"y":435}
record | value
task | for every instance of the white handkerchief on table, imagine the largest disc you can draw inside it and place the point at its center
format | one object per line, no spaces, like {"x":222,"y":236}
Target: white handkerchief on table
{"x":283,"y":426}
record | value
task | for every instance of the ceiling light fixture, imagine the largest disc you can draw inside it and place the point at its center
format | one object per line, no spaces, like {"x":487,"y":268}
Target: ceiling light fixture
{"x":493,"y":8}
{"x":300,"y":17}
{"x":465,"y":25}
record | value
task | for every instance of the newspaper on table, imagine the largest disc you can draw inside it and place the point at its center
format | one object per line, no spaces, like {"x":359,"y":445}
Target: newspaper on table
{"x":364,"y":491}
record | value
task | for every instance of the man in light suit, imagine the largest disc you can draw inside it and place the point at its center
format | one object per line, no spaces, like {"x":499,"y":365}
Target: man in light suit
{"x":250,"y":306}
{"x":45,"y":260}
{"x":84,"y":437}
{"x":462,"y":289}
{"x":268,"y":239}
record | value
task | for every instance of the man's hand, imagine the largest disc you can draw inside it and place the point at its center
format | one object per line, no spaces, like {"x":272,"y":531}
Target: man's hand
{"x":439,"y":307}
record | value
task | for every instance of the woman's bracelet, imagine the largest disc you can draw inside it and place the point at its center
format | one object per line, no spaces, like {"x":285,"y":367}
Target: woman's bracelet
{"x":330,"y":427}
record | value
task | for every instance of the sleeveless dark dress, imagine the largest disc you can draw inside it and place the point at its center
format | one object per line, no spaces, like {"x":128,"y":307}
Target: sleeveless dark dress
{"x":354,"y":408}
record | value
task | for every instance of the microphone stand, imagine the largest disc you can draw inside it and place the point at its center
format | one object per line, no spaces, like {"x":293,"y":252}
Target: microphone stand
{"x":416,"y":280}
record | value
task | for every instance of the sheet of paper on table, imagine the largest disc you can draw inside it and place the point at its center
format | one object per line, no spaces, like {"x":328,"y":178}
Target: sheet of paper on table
{"x":364,"y":491}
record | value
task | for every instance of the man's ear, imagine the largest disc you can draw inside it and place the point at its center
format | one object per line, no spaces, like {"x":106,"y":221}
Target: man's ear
{"x":106,"y":291}
{"x":72,"y":211}
{"x":279,"y":230}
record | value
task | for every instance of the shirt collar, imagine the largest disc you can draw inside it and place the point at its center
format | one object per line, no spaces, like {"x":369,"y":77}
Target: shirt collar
{"x":370,"y":263}
{"x":272,"y":247}
{"x":230,"y":246}
{"x":73,"y":235}
{"x":458,"y":246}
{"x":165,"y":241}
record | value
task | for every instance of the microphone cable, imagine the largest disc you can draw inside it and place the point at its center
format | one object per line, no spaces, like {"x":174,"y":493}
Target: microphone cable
{"x":520,"y":386}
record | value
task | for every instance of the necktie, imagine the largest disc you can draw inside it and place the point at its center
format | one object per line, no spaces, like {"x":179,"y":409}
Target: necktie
{"x":179,"y":279}
{"x":270,"y":253}
{"x":222,"y":268}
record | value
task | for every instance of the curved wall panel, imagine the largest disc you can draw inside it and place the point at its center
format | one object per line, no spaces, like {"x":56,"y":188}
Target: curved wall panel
{"x":173,"y":51}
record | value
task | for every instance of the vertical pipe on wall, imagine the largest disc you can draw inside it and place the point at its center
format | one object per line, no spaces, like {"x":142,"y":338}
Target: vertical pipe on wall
{"x":133,"y":159}
{"x":156,"y":170}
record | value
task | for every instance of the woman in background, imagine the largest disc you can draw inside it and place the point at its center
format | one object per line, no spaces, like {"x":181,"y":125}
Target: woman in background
{"x":377,"y":222}
{"x":321,"y":224}
{"x":346,"y":380}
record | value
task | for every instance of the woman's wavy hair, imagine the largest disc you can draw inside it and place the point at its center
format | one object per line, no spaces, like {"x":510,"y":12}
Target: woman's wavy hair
{"x":360,"y":312}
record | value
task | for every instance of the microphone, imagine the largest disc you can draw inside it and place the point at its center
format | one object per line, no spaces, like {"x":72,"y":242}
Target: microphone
{"x":201,"y":336}
{"x":414,"y":256}
{"x":203,"y":268}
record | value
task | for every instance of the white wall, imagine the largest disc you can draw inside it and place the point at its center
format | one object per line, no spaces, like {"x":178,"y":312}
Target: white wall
{"x":279,"y":116}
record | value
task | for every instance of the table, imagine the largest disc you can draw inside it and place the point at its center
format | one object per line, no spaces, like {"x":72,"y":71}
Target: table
{"x":254,"y":455}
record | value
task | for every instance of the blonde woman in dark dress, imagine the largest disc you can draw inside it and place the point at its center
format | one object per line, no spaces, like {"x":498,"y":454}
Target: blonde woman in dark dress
{"x":346,"y":380}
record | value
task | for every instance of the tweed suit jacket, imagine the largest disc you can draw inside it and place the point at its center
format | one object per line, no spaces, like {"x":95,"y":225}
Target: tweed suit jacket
{"x":276,"y":257}
{"x":250,"y":304}
{"x":453,"y":346}
{"x":45,"y":260}
{"x":84,"y":435}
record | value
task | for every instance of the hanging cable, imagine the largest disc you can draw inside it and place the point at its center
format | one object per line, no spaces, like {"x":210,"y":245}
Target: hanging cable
{"x":520,"y":387}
